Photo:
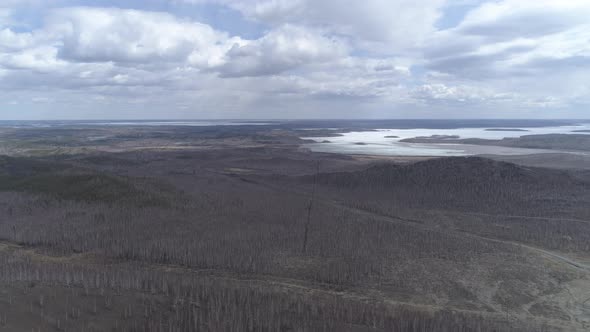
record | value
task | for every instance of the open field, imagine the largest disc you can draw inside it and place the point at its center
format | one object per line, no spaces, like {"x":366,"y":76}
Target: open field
{"x":230,"y":229}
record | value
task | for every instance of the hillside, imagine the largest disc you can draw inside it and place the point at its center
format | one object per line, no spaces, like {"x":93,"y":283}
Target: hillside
{"x":467,"y":184}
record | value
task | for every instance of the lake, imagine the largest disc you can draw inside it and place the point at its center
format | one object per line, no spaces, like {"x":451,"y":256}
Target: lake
{"x":387,"y":141}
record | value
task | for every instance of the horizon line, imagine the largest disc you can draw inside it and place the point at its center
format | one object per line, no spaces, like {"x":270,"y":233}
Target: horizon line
{"x":300,"y":119}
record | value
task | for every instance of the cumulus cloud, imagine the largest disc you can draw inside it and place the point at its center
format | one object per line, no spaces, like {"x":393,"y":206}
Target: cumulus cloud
{"x":439,"y":92}
{"x":42,"y":58}
{"x":132,"y":38}
{"x":380,"y":25}
{"x":308,"y":55}
{"x":11,"y":41}
{"x":97,"y":35}
{"x":285,"y":48}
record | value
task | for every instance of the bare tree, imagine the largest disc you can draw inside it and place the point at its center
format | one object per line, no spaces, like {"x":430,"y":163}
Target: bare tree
{"x":309,"y":208}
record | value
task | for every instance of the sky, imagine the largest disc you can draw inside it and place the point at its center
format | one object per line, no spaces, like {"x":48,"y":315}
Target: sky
{"x":280,"y":59}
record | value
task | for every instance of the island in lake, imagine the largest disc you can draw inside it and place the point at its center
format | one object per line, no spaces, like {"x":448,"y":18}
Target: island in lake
{"x":505,"y":129}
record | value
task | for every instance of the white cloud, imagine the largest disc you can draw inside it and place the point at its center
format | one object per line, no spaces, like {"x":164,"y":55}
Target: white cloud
{"x":41,"y":58}
{"x":508,"y":37}
{"x":437,"y":92}
{"x":97,"y":35}
{"x":135,"y":38}
{"x":540,"y":49}
{"x":285,"y":48}
{"x":380,"y":25}
{"x":509,"y":19}
{"x":10,"y":41}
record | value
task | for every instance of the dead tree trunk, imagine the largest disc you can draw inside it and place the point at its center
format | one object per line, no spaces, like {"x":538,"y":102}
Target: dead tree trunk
{"x":309,"y":207}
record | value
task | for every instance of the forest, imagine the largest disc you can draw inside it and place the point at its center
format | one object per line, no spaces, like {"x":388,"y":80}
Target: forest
{"x":249,"y":232}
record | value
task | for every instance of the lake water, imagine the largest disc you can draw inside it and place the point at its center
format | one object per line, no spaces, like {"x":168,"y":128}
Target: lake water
{"x":377,"y":143}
